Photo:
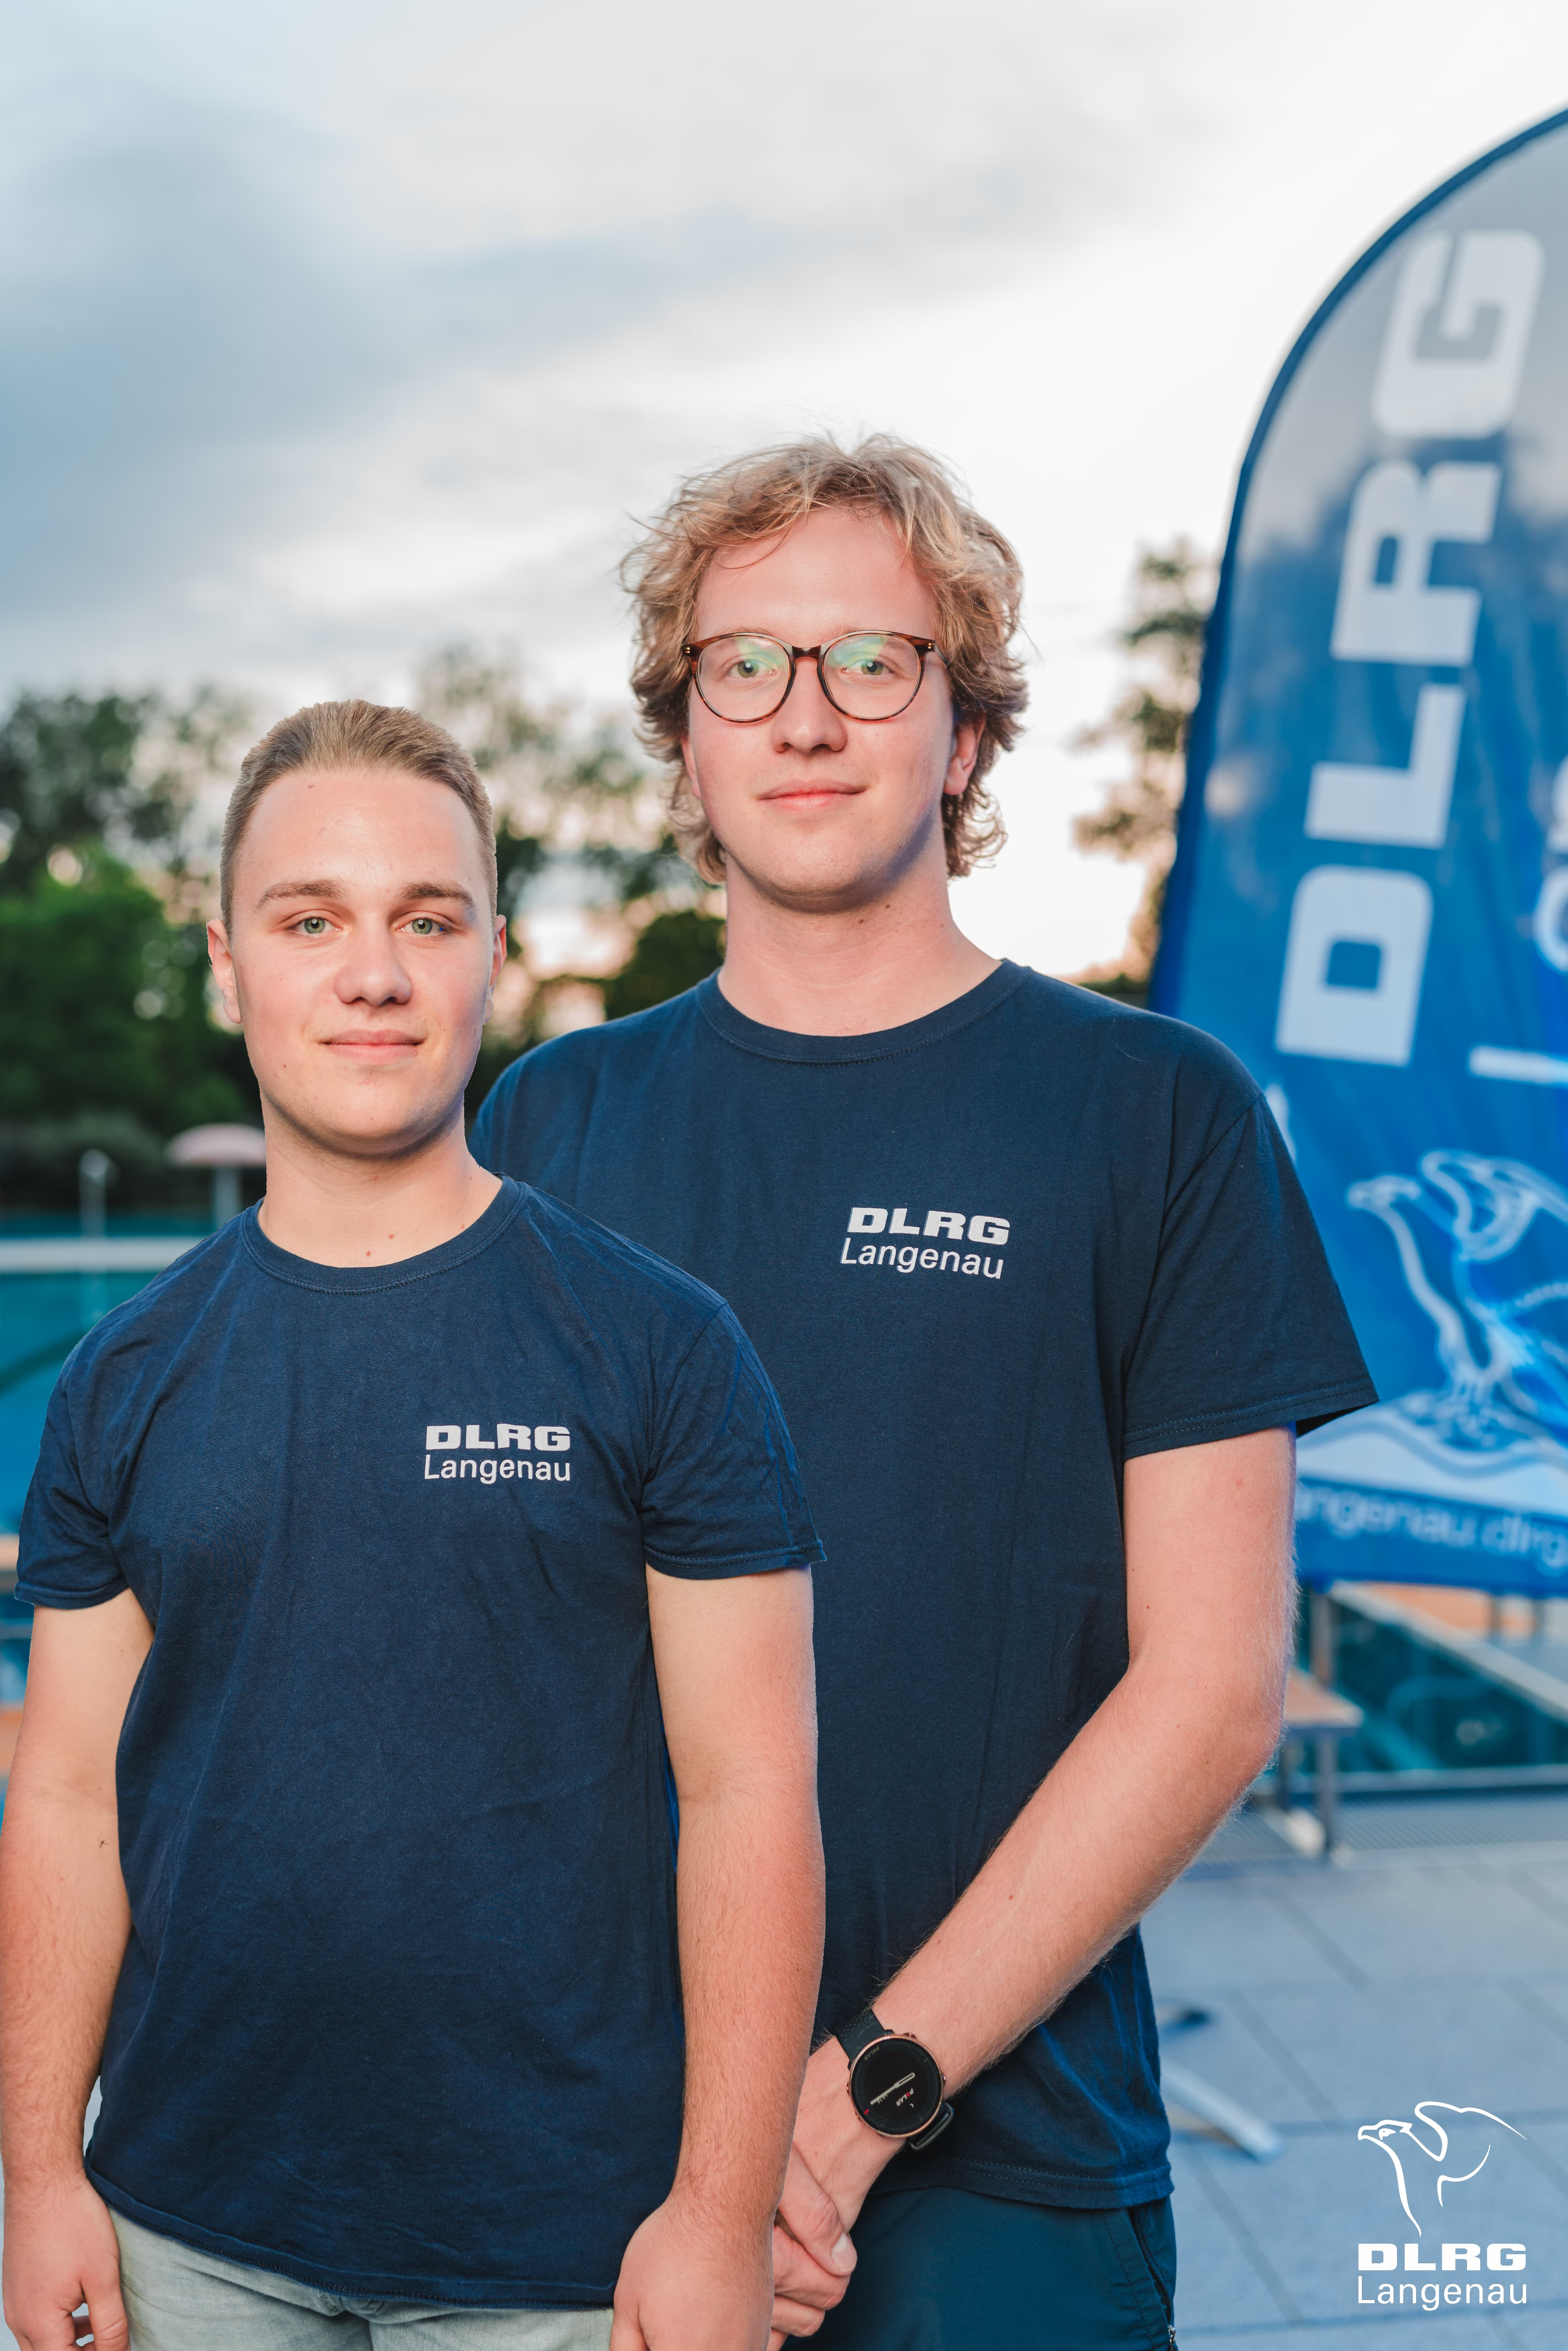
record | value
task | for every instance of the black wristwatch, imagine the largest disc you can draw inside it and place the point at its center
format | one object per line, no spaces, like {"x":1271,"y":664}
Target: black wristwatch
{"x":895,"y":2084}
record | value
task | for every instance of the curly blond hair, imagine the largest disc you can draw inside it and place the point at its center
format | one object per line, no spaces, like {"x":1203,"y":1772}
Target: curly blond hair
{"x":969,"y":568}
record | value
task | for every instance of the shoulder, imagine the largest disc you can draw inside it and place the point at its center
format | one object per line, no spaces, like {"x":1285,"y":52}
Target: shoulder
{"x":591,"y":1057}
{"x":147,"y":1328}
{"x":1140,"y":1052}
{"x":604,"y":1268}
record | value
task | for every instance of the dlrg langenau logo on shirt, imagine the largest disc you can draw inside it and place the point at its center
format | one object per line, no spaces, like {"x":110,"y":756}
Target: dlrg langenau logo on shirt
{"x":492,"y":1452}
{"x":936,"y":1240}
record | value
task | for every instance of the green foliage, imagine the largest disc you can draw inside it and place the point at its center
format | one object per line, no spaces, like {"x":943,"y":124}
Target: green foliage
{"x":105,"y":1037}
{"x":103,"y":1009}
{"x":67,"y":778}
{"x":673,"y":953}
{"x":1172,"y":592}
{"x":561,"y":793}
{"x":104,"y":1034}
{"x":81,"y":775}
{"x":40,"y":1165}
{"x":577,"y":813}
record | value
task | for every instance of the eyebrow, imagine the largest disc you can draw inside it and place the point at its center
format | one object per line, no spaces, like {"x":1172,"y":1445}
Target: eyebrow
{"x":333,"y":887}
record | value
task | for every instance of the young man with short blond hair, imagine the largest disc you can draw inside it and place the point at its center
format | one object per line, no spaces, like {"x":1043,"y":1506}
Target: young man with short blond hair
{"x":401,"y":1557}
{"x":1044,"y":1303}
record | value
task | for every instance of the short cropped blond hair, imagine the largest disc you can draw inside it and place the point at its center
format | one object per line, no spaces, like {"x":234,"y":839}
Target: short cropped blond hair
{"x":327,"y":735}
{"x":970,"y":569}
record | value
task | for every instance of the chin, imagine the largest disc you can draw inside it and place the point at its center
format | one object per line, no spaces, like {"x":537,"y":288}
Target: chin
{"x":830,"y":864}
{"x":371,"y":1127}
{"x":822,"y":885}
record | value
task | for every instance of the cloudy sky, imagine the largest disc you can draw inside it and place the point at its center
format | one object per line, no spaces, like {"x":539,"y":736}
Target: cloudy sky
{"x":334,"y":332}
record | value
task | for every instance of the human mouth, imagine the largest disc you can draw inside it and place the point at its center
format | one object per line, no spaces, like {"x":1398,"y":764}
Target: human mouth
{"x":372,"y":1045}
{"x":811,"y":796}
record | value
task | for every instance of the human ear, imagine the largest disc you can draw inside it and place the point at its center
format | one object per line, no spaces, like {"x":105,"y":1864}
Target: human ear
{"x":967,"y":734}
{"x":221,"y":956}
{"x":498,"y":963}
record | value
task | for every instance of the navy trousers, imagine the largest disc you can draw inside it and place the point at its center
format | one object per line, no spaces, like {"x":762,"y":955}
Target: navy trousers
{"x":943,"y":2270}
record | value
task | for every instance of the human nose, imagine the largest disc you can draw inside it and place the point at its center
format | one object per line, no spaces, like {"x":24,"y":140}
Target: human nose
{"x":371,"y":971}
{"x":806,"y":720}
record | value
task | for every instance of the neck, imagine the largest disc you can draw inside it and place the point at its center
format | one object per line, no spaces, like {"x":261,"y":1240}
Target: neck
{"x":337,"y":1208}
{"x":846,"y":972}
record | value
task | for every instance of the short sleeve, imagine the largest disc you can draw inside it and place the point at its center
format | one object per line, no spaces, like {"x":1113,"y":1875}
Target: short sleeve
{"x":1244,"y":1327}
{"x":64,"y":1557}
{"x":722,"y":1496}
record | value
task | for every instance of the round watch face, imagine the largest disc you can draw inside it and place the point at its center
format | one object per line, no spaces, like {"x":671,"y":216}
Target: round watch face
{"x":896,"y":2086}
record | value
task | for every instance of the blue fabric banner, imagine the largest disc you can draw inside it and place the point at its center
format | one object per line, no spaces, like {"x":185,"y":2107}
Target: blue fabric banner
{"x":1370,"y":898}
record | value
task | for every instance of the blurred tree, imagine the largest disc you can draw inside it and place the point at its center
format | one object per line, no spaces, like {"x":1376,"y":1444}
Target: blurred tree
{"x":1173,"y":593}
{"x":40,"y":1165}
{"x":106,"y":871}
{"x":81,"y":775}
{"x":103,"y":1008}
{"x":673,"y":953}
{"x":562,"y":795}
{"x":578,"y":817}
{"x":104,"y":1032}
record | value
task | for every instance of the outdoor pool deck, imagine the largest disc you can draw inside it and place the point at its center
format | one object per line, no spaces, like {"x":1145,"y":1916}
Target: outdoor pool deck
{"x":1429,"y":1960}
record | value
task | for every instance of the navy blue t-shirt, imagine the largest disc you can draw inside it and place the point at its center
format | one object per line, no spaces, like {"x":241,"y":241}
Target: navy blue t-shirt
{"x":986,"y":1258}
{"x":400,"y":2014}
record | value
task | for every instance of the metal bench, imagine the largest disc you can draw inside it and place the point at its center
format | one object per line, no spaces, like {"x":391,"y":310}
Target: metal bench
{"x":1315,"y":1712}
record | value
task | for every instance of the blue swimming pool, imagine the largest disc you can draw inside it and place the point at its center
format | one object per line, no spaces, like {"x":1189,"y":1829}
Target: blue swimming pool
{"x":42,"y":1316}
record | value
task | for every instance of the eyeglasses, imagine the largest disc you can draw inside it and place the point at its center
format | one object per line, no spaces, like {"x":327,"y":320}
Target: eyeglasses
{"x":874,"y":673}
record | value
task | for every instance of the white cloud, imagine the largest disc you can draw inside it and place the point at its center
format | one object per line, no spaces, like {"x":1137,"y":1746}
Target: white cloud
{"x":337,"y":332}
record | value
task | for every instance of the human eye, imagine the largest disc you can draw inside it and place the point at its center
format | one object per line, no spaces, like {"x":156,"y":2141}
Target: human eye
{"x":428,"y":927}
{"x":312,"y":927}
{"x":747,"y":660}
{"x":862,"y":656}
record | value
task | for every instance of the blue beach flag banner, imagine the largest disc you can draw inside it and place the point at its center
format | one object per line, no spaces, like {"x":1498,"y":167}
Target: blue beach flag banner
{"x":1370,"y":898}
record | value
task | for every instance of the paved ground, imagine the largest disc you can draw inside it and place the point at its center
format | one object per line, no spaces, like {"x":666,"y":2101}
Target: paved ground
{"x":1429,"y":1963}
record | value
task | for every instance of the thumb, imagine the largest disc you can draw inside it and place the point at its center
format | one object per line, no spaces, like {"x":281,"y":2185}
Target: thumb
{"x":626,"y":2331}
{"x":106,"y":2315}
{"x":811,"y":2217}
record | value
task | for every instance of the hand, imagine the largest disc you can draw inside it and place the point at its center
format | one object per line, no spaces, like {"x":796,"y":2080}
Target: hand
{"x":812,"y":2255}
{"x":834,"y":2161}
{"x":688,"y":2283}
{"x":60,"y":2252}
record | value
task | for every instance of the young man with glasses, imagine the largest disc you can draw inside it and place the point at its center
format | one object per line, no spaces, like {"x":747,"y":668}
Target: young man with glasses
{"x":403,"y":1557}
{"x":1044,"y":1304}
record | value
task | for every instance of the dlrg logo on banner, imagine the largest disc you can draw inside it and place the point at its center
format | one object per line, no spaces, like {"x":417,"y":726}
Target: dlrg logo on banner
{"x":1370,"y":899}
{"x":1443,"y":2149}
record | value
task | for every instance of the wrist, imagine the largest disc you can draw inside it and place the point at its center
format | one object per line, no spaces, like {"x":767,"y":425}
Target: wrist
{"x":829,"y":2120}
{"x":720,"y":2212}
{"x":895,"y":2084}
{"x":42,"y":2182}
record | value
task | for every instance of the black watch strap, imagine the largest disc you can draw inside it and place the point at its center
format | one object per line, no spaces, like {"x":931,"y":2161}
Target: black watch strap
{"x":860,"y":2032}
{"x":934,"y":2129}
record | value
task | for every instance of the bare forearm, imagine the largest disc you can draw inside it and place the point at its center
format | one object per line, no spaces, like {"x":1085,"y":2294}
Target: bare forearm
{"x":1134,"y":1796}
{"x":1196,"y":1716}
{"x":63,"y":1924}
{"x":751,"y":1902}
{"x":1131,"y":1800}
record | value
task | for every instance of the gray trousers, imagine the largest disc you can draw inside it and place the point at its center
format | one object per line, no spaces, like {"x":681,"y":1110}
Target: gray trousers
{"x":180,"y":2300}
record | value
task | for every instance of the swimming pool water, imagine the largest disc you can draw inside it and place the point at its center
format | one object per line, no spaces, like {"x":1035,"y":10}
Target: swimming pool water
{"x":42,"y":1316}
